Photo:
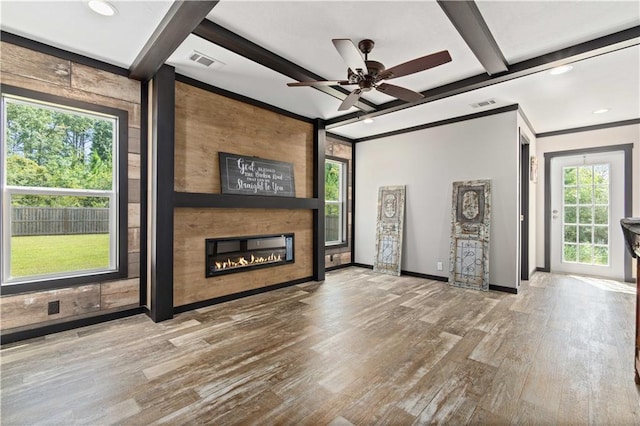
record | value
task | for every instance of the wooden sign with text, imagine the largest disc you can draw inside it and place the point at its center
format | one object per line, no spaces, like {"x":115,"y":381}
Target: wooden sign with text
{"x":255,"y":176}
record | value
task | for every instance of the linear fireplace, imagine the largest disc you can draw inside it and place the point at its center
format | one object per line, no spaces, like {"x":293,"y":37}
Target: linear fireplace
{"x":239,"y":254}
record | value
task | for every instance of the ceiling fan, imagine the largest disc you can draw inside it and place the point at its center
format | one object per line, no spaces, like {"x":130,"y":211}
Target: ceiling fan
{"x":367,"y":75}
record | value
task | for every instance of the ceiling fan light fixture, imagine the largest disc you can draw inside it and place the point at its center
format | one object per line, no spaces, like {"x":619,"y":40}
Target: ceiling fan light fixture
{"x":561,"y":70}
{"x":102,"y":7}
{"x":601,"y":111}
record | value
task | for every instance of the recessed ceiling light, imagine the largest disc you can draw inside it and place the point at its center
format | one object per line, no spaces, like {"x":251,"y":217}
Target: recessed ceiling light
{"x":368,"y":120}
{"x":601,"y":111}
{"x":102,"y":7}
{"x":561,"y":70}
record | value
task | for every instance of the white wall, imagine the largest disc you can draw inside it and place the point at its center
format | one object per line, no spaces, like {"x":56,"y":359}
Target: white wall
{"x":428,"y":162}
{"x":524,"y":129}
{"x":590,"y":139}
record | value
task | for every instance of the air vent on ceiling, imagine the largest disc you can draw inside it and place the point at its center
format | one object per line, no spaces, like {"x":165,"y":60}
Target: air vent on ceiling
{"x":205,"y":60}
{"x":484,"y":103}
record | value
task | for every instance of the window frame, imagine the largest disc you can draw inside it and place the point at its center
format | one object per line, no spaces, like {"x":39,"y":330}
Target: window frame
{"x":118,"y":225}
{"x":344,"y":189}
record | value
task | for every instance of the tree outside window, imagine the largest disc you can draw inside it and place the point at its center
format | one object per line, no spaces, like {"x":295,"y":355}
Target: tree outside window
{"x":335,"y":172}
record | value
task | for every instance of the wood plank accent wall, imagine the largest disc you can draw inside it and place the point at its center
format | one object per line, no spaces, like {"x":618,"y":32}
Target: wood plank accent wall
{"x":192,"y":226}
{"x":208,"y":123}
{"x":37,"y":71}
{"x":340,"y":149}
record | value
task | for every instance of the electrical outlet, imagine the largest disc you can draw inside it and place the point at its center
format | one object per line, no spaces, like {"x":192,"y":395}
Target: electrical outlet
{"x":54,"y":307}
{"x":330,"y":258}
{"x":439,"y":266}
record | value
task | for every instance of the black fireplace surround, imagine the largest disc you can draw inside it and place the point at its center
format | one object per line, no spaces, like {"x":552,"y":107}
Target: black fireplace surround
{"x":239,"y":254}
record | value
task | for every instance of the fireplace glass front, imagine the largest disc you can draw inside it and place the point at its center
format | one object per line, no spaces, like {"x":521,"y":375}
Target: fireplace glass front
{"x":237,"y":254}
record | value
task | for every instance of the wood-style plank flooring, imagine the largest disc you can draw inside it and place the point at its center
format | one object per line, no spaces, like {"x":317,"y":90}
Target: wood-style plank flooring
{"x":359,"y":348}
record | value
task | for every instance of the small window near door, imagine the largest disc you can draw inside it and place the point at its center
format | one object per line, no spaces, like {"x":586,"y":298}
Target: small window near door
{"x":335,"y":172}
{"x":585,"y":215}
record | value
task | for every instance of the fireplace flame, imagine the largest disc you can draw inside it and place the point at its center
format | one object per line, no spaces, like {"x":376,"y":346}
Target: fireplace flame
{"x":241,"y":261}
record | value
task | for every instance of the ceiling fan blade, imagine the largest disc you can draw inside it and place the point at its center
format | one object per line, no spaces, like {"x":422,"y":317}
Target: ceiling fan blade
{"x":350,"y":100}
{"x":400,"y":92}
{"x":319,"y":83}
{"x":416,"y":65}
{"x":350,"y":54}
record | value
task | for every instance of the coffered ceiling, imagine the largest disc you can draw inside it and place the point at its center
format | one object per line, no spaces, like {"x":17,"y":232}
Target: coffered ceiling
{"x":260,"y":46}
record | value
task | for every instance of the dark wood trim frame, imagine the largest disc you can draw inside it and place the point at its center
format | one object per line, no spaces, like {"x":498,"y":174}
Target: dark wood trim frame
{"x":193,"y":199}
{"x":179,"y":21}
{"x":353,"y":202}
{"x":163,"y":118}
{"x":223,"y":37}
{"x":60,"y":53}
{"x":628,"y":195}
{"x":241,"y":98}
{"x":453,"y":120}
{"x":526,"y":120}
{"x":339,"y":137}
{"x":503,"y":289}
{"x":123,"y":185}
{"x":524,"y":206}
{"x":335,"y":268}
{"x":319,"y":143}
{"x":235,"y":296}
{"x":144,"y":196}
{"x":589,"y":49}
{"x":64,"y":326}
{"x":468,"y":21}
{"x":589,"y":128}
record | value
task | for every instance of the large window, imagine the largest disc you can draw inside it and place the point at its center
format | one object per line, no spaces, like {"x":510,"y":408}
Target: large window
{"x":62,"y":211}
{"x":335,"y":196}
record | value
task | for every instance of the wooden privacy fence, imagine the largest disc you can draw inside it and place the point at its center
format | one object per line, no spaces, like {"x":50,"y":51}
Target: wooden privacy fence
{"x":58,"y":220}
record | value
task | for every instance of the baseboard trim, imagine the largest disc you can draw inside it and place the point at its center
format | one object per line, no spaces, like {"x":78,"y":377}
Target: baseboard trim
{"x":333,"y":268}
{"x":542,"y":269}
{"x":425,"y":276}
{"x":503,"y":289}
{"x":235,"y":296}
{"x":362,"y":265}
{"x":65,"y":326}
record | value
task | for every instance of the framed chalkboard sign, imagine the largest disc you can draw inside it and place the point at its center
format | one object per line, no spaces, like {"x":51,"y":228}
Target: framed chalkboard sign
{"x":244,"y":175}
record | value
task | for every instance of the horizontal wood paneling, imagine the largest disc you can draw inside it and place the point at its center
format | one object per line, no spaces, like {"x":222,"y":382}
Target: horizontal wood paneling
{"x":192,"y":226}
{"x":28,"y":69}
{"x":30,"y":308}
{"x":117,"y":294}
{"x":207,"y":123}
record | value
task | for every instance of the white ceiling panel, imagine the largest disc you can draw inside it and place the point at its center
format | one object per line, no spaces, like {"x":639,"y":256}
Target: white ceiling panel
{"x":301,"y":31}
{"x":245,"y":77}
{"x":527,"y":29}
{"x":550,"y":102}
{"x":72,"y":26}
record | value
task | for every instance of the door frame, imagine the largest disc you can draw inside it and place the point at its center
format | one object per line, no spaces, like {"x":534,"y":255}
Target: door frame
{"x":524,"y":206}
{"x":628,"y":193}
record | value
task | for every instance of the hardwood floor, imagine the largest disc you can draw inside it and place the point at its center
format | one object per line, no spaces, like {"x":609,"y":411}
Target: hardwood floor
{"x":360,"y":348}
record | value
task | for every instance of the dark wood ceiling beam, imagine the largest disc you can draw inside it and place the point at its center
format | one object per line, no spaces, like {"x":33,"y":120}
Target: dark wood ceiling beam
{"x":231,"y":41}
{"x":579,"y":52}
{"x":467,"y":19}
{"x":175,"y":27}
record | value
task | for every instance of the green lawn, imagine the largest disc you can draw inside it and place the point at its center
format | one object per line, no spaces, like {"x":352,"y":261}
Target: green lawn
{"x":47,"y":254}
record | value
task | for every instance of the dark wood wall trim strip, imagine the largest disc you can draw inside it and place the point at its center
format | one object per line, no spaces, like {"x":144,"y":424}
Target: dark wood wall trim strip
{"x":319,"y":144}
{"x":221,"y":36}
{"x":589,"y":49}
{"x":628,"y":195}
{"x":163,"y":111}
{"x":180,"y":20}
{"x":468,"y":21}
{"x":425,"y":276}
{"x":64,"y":326}
{"x":353,"y":202}
{"x":192,"y":199}
{"x":335,"y":268}
{"x":60,"y":53}
{"x":339,"y":137}
{"x":589,"y":128}
{"x":453,"y":120}
{"x":144,"y":196}
{"x":526,"y":120}
{"x":235,"y":296}
{"x":241,"y":98}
